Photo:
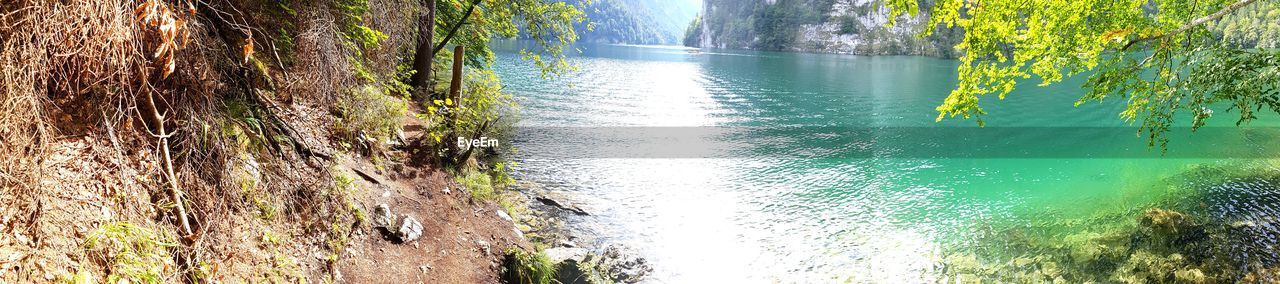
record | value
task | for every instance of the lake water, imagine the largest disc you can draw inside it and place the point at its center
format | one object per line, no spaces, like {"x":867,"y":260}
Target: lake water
{"x":735,"y":166}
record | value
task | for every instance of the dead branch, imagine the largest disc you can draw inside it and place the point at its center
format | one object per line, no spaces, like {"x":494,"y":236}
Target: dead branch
{"x":171,"y":178}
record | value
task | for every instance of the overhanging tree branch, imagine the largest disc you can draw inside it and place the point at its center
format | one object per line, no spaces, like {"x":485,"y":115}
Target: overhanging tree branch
{"x":1194,"y":23}
{"x":454,"y":30}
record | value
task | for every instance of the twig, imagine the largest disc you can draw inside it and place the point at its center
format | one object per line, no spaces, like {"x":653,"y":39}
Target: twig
{"x":115,"y":143}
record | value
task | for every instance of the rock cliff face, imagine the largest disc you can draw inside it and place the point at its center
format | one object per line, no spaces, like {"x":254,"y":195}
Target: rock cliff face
{"x":834,"y":26}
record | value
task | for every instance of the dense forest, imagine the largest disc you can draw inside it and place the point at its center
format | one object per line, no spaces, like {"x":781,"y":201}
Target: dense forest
{"x":1254,"y":26}
{"x":634,"y":21}
{"x":839,"y":26}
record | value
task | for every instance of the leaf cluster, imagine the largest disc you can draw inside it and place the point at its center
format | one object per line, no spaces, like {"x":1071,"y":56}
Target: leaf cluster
{"x":1149,"y":54}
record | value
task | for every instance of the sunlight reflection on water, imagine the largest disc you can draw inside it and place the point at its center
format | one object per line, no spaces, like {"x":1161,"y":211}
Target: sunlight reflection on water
{"x":761,"y":218}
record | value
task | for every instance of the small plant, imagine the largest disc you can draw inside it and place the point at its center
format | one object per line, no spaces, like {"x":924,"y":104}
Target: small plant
{"x":369,"y":117}
{"x":136,"y":254}
{"x":529,"y":267}
{"x":345,"y":217}
{"x":479,"y":184}
{"x":354,"y":30}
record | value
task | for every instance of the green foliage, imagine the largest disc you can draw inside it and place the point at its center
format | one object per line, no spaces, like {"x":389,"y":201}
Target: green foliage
{"x":529,"y":267}
{"x":693,"y":35}
{"x":369,"y":115}
{"x":618,"y":21}
{"x":351,"y":13}
{"x":849,"y":25}
{"x":634,"y":21}
{"x":281,"y":14}
{"x":778,"y":26}
{"x":344,"y":218}
{"x":1135,"y":50}
{"x":1255,"y":26}
{"x":486,"y":184}
{"x":480,"y":113}
{"x":478,"y":183}
{"x":549,"y":24}
{"x":759,"y":24}
{"x":136,"y":254}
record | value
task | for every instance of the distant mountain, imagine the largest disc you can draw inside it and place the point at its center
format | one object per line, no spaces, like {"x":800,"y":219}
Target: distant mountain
{"x":635,"y":21}
{"x":835,"y":26}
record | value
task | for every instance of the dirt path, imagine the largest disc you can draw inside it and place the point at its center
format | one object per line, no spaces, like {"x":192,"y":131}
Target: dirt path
{"x":463,"y":240}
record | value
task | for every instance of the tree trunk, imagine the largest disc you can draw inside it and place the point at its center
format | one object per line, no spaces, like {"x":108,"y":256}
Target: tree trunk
{"x":422,"y":57}
{"x":455,"y":86}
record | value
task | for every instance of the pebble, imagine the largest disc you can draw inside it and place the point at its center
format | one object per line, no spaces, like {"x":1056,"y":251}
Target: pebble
{"x":484,"y":245}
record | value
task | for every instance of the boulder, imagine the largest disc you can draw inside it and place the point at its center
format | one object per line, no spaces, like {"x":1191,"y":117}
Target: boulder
{"x":623,"y":264}
{"x":557,"y":255}
{"x":382,"y":217}
{"x":502,"y":213}
{"x":571,"y":265}
{"x":410,"y":229}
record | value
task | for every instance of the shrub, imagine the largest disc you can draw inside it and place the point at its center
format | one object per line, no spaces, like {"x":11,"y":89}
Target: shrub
{"x":528,"y":267}
{"x":849,"y":25}
{"x":368,"y":116}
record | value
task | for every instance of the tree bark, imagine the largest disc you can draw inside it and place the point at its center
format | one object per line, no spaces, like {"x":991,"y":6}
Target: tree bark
{"x":455,"y":85}
{"x":424,"y":54}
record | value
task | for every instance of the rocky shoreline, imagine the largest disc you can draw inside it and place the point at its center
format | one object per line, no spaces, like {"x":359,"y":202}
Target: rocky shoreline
{"x":576,"y":259}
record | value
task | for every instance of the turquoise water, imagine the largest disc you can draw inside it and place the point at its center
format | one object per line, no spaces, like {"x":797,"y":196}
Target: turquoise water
{"x":756,"y":204}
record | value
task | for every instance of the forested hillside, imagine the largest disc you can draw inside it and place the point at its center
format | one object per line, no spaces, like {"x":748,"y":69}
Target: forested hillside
{"x":1255,"y":26}
{"x":635,"y":21}
{"x":839,"y":26}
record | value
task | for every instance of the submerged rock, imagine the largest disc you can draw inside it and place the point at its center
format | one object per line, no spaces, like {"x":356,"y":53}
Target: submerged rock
{"x":623,"y":265}
{"x":561,"y":205}
{"x":1145,"y":267}
{"x":1165,"y":222}
{"x":1166,"y":231}
{"x":1190,"y":276}
{"x":1271,"y":275}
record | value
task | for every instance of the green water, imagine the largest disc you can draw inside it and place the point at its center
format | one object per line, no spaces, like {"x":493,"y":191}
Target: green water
{"x":794,"y":206}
